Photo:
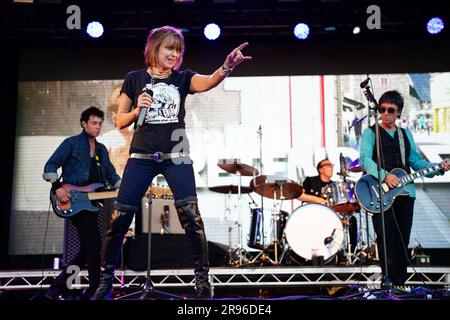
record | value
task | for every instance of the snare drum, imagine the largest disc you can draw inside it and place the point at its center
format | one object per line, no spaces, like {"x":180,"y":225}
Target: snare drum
{"x":314,"y":230}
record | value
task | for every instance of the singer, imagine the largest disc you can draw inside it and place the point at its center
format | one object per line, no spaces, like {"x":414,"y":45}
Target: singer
{"x":161,"y":146}
{"x":398,"y":219}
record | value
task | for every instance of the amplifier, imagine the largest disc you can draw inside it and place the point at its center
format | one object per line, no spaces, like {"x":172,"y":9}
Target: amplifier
{"x":164,"y":217}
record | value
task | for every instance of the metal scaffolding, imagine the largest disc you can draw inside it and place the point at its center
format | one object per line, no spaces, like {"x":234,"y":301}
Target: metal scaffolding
{"x":369,"y":276}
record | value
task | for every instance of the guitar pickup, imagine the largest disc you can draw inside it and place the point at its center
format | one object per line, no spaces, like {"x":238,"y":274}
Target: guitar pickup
{"x":385,"y":187}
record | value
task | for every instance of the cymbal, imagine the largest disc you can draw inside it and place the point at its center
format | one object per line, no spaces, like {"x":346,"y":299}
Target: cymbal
{"x":354,"y":166}
{"x":272,"y":189}
{"x":231,"y":166}
{"x":230,"y":189}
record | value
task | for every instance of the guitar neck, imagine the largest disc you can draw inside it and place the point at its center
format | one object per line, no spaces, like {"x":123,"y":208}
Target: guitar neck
{"x":410,"y":177}
{"x":102,"y":195}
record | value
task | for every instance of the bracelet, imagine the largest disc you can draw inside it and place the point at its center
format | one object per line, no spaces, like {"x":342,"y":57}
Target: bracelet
{"x":56,"y":185}
{"x":226,"y":69}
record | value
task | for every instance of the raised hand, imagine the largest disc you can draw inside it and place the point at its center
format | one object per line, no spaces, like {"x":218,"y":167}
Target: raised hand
{"x":236,"y":56}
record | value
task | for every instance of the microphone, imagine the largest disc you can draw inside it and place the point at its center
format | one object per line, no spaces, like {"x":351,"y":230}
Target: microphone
{"x":141,"y":118}
{"x":364,"y":83}
{"x":329,"y":239}
{"x":370,"y":98}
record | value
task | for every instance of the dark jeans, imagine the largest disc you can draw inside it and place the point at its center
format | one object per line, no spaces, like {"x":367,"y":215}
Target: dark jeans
{"x":137,"y":177}
{"x":89,"y":251}
{"x":139,"y":173}
{"x":396,"y":242}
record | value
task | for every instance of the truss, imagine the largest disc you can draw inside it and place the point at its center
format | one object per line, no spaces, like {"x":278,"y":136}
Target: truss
{"x":369,"y":276}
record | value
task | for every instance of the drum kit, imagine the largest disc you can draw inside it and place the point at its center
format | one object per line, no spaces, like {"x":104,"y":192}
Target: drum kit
{"x":312,"y":231}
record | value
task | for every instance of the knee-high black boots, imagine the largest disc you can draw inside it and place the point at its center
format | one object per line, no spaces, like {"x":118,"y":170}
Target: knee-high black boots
{"x":118,"y":226}
{"x":192,"y":223}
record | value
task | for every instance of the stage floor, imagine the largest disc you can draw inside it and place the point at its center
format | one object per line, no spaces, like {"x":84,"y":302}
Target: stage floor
{"x":258,"y":282}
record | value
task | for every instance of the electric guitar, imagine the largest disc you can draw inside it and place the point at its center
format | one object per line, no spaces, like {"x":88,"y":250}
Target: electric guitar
{"x":80,"y":199}
{"x":367,"y":188}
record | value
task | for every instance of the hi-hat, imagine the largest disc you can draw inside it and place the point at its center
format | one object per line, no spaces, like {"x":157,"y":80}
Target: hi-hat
{"x":354,"y":166}
{"x":230,"y":189}
{"x":232,"y":166}
{"x":276,"y":188}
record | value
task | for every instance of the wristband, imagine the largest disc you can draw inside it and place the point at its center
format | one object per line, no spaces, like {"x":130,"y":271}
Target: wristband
{"x":56,"y":185}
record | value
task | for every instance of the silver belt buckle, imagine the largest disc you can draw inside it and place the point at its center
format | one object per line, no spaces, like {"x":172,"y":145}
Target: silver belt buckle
{"x":157,"y":156}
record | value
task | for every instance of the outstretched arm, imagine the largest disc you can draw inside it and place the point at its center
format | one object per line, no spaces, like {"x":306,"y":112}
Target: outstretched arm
{"x":202,"y":83}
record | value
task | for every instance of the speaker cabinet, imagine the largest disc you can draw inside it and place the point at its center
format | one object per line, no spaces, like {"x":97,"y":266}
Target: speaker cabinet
{"x":164,"y":216}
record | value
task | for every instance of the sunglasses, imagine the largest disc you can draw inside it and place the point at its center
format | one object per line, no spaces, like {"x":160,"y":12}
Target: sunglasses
{"x":391,"y":110}
{"x":327,"y":165}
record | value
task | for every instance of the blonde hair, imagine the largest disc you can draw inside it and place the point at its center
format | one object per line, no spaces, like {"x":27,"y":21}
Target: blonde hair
{"x":155,"y":39}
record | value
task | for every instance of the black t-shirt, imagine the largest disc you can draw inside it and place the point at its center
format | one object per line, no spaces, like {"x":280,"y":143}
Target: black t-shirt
{"x":314,"y":186}
{"x":94,"y":170}
{"x":164,"y":120}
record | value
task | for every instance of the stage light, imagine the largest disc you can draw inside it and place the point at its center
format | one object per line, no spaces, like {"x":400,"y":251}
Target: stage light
{"x":356,"y":30}
{"x":435,"y":25}
{"x":301,"y":31}
{"x":211,"y":31}
{"x":94,"y":29}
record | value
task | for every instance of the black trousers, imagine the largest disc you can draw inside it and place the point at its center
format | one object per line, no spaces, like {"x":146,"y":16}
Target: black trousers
{"x":89,"y":251}
{"x":397,"y":238}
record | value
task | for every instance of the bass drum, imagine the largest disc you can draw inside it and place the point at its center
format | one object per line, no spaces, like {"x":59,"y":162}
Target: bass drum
{"x":314,"y":230}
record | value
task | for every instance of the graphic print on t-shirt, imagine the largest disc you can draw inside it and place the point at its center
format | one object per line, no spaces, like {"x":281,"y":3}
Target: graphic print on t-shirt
{"x":166,"y":104}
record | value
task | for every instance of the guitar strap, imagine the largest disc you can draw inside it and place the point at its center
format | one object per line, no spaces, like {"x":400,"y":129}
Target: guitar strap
{"x":401,"y":141}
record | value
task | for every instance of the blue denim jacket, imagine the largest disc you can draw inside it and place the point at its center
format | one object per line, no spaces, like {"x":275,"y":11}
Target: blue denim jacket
{"x":73,"y":155}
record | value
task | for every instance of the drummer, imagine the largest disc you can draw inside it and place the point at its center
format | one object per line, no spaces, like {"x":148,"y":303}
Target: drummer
{"x":315,"y":192}
{"x":314,"y":187}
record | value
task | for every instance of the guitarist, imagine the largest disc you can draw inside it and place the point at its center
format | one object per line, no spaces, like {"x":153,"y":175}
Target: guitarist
{"x":398,"y":219}
{"x":83,"y":161}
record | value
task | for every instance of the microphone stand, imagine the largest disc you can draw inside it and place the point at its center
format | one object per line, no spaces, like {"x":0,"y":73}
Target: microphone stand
{"x":148,"y":291}
{"x":262,"y":184}
{"x":386,"y":282}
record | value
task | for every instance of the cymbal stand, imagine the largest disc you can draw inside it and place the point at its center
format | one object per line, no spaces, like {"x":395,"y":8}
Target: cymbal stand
{"x":259,"y":132}
{"x":348,"y":248}
{"x":230,"y":229}
{"x":276,"y":217}
{"x":238,"y":222}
